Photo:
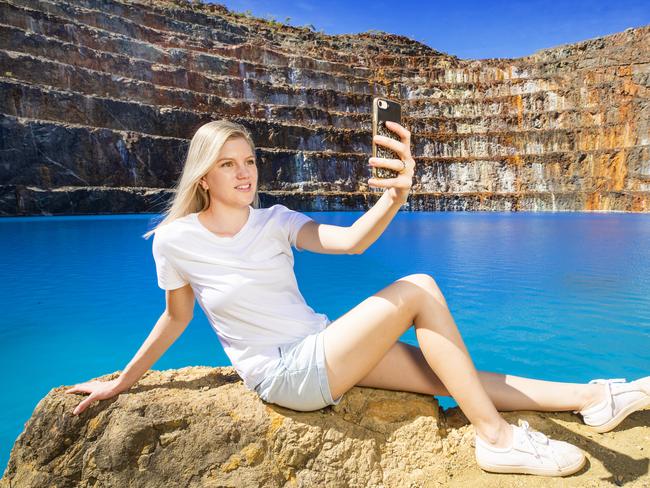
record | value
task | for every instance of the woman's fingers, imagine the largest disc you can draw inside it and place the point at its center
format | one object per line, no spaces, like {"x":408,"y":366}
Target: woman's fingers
{"x":394,"y":164}
{"x":405,"y":165}
{"x":402,"y":132}
{"x":389,"y":143}
{"x":84,"y":404}
{"x":99,"y":390}
{"x":385,"y":182}
{"x":401,"y":149}
{"x":403,"y":180}
{"x":80,"y":388}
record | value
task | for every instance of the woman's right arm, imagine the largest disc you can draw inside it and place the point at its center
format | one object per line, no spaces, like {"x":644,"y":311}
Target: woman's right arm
{"x":171,"y":324}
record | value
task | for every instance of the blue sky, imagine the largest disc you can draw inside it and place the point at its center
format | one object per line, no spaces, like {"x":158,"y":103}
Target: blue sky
{"x":471,"y":29}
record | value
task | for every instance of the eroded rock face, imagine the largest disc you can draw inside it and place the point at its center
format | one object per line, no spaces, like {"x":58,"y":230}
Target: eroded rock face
{"x":100,"y":99}
{"x":201,"y":427}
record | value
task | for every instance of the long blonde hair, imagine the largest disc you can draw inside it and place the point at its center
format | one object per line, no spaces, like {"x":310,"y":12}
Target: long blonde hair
{"x":204,"y":149}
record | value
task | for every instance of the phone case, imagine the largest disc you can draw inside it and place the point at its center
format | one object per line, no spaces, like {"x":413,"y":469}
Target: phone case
{"x":392,"y":112}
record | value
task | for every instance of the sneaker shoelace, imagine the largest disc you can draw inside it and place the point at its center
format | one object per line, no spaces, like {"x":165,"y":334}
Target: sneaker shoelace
{"x":537,"y":439}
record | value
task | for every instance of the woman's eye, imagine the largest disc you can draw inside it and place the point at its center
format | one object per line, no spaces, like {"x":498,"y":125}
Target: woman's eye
{"x":230,"y":163}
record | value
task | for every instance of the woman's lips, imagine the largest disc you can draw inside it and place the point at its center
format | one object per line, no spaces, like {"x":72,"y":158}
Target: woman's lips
{"x":245,"y":188}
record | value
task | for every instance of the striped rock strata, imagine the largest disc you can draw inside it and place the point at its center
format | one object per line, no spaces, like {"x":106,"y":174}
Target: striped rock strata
{"x":101,"y":97}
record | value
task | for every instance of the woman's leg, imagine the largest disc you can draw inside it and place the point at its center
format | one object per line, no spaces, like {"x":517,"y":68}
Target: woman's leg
{"x":356,"y":342}
{"x":404,"y":368}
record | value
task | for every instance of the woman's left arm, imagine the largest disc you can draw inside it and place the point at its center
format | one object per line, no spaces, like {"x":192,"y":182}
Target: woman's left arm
{"x":367,"y":228}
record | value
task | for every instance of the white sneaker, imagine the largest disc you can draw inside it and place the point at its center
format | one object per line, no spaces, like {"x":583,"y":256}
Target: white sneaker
{"x":531,"y":453}
{"x":621,"y":400}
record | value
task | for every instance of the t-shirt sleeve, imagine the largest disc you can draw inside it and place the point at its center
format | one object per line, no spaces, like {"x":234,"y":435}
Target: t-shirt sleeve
{"x":291,"y":221}
{"x":168,"y":276}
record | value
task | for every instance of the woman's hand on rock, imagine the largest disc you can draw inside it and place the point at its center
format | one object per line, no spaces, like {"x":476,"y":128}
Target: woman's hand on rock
{"x":402,"y":148}
{"x":99,"y":390}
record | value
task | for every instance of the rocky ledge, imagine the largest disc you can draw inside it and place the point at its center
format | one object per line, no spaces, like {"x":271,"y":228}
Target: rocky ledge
{"x":200,"y":426}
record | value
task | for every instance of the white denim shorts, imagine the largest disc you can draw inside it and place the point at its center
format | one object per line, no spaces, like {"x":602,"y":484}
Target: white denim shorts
{"x":299,"y":381}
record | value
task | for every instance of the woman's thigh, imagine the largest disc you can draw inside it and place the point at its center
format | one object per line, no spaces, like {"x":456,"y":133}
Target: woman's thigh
{"x":357,"y":341}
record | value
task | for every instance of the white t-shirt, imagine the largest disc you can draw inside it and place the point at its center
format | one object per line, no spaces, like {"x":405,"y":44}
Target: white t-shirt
{"x":245,"y":284}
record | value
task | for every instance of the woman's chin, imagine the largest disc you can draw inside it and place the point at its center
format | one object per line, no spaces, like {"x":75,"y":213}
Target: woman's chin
{"x":246,"y":198}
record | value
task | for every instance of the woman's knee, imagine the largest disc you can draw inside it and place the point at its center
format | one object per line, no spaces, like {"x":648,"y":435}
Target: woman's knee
{"x":426,"y":285}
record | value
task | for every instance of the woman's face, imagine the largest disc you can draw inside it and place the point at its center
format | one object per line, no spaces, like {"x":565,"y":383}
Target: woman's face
{"x":232,"y":180}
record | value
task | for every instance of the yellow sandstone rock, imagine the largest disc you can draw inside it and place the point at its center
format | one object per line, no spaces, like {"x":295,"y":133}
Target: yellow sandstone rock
{"x":200,"y":427}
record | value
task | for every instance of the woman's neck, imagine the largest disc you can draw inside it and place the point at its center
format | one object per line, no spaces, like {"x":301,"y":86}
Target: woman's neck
{"x":224,"y":221}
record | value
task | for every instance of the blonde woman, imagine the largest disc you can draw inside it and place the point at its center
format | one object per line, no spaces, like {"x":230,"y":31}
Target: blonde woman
{"x":217,"y":246}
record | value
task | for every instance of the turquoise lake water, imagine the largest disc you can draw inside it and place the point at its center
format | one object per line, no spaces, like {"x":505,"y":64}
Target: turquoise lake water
{"x":556,"y":296}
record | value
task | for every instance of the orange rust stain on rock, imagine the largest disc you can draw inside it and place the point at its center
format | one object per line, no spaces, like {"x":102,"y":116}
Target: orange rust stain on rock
{"x":594,"y":96}
{"x":640,"y":204}
{"x":517,"y":163}
{"x":627,"y":118}
{"x":587,"y":140}
{"x":590,"y":78}
{"x":593,"y":202}
{"x":598,"y":172}
{"x":610,"y":172}
{"x":624,"y":71}
{"x":619,"y":170}
{"x":520,"y":111}
{"x":629,"y":87}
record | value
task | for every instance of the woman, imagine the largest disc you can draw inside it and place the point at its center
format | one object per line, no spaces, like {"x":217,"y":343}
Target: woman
{"x":236,"y":260}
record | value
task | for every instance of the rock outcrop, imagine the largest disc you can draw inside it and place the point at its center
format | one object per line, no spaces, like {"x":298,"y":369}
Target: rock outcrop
{"x":200,"y":427}
{"x":101,"y":97}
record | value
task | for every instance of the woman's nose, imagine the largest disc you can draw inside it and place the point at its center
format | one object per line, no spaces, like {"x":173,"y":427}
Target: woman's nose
{"x":244,"y":171}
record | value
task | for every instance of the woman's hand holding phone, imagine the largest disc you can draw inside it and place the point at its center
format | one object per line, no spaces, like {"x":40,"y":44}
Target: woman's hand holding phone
{"x":402,"y":148}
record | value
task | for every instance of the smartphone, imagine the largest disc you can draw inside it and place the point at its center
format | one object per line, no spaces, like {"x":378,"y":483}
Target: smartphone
{"x":384,"y":109}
